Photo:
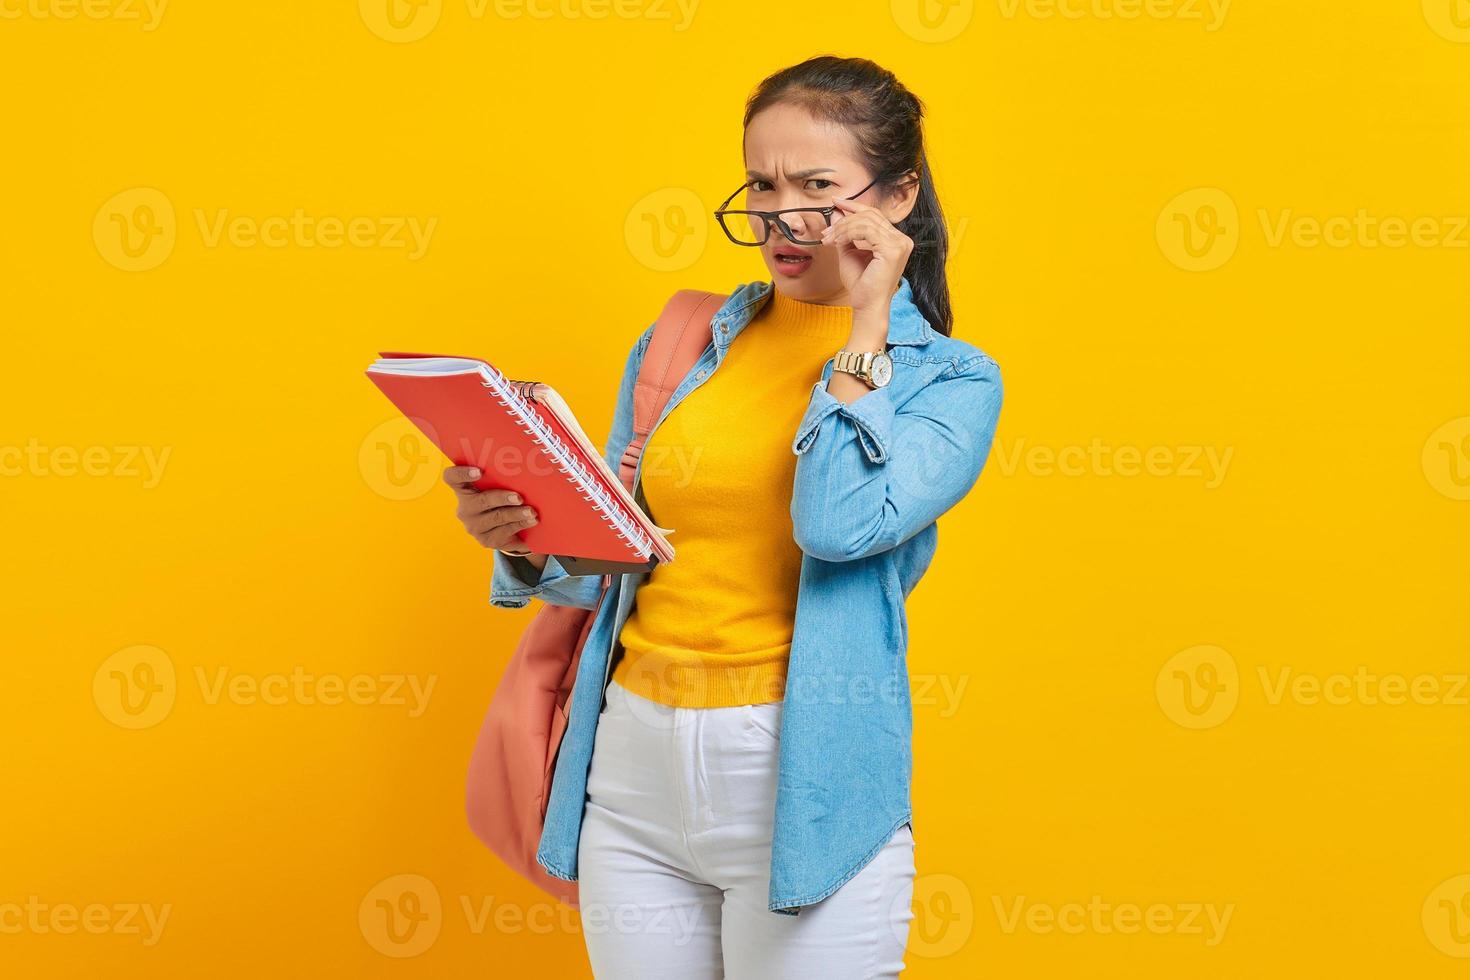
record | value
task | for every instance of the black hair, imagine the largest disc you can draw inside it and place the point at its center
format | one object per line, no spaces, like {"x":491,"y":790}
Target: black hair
{"x":886,"y":120}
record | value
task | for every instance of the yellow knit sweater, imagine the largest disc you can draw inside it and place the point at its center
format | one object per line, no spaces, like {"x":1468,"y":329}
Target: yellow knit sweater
{"x":713,"y":627}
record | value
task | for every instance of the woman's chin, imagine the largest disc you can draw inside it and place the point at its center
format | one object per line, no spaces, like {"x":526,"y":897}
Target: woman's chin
{"x":796,"y":280}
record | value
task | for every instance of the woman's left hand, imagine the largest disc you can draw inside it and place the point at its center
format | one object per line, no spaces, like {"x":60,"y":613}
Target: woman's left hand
{"x":871,"y":255}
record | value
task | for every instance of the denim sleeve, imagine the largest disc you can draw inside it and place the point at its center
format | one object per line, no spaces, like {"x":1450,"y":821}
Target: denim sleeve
{"x":514,"y":581}
{"x":870,"y":477}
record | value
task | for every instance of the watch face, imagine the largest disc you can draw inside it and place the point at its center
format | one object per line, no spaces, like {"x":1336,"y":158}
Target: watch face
{"x":882,"y":369}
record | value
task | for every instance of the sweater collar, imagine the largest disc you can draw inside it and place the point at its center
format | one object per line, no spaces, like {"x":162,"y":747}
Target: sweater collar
{"x":906,"y":325}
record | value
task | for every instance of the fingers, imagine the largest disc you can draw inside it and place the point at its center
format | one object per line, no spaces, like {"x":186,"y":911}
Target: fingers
{"x":866,"y":236}
{"x":462,"y":478}
{"x":504,"y":535}
{"x":852,"y":207}
{"x":522,"y":517}
{"x":473,"y":499}
{"x":481,"y":501}
{"x":493,"y":517}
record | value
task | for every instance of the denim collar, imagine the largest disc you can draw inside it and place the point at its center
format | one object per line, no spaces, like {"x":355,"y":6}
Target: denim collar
{"x":906,"y":325}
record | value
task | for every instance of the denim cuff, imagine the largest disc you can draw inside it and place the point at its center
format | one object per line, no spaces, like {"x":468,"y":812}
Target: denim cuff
{"x":515,"y":580}
{"x":872,"y":414}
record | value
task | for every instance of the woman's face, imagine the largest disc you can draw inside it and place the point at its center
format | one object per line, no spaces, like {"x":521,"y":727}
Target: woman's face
{"x":794,"y":160}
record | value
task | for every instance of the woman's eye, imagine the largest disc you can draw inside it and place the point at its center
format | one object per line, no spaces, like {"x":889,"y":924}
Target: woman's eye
{"x":823,"y":182}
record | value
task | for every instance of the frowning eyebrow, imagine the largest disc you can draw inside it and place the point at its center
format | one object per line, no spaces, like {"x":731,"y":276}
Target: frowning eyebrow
{"x":795,"y":175}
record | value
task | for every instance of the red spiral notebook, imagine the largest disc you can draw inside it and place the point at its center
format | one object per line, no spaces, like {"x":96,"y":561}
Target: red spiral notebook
{"x":524,"y":437}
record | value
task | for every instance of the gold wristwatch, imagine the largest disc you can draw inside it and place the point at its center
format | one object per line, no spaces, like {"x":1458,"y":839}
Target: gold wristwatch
{"x":874,"y":368}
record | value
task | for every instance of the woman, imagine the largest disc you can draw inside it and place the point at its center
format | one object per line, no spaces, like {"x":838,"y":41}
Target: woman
{"x":732,"y":792}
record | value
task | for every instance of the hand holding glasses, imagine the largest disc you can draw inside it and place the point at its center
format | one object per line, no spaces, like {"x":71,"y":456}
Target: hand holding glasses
{"x":754,"y":227}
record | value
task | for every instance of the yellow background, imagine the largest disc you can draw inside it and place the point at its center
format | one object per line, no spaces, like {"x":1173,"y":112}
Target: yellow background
{"x":568,"y":154}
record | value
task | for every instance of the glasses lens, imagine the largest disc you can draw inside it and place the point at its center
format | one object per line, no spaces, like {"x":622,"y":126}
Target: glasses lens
{"x":747,"y":229}
{"x":806,"y":224}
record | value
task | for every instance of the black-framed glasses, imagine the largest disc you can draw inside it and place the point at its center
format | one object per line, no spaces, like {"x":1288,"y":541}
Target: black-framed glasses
{"x":754,"y":227}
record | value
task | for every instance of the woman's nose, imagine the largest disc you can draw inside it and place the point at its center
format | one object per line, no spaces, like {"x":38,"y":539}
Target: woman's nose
{"x":806,"y":225}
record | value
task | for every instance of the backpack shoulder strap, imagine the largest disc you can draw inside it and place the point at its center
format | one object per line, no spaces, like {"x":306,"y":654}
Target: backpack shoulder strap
{"x":679,"y":338}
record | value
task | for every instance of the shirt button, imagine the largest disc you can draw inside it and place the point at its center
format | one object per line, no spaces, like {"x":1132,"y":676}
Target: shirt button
{"x":699,"y":376}
{"x":724,"y":328}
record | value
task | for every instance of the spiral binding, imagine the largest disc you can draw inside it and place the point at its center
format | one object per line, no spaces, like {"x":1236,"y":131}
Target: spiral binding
{"x":516,"y":395}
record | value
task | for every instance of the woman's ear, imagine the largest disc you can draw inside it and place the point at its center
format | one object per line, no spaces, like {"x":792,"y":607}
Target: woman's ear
{"x":903,"y":198}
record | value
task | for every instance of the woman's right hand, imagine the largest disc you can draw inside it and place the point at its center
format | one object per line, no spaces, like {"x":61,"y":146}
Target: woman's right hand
{"x":493,"y":517}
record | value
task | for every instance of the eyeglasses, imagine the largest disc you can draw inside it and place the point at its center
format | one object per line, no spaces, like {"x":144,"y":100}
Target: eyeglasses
{"x":754,"y":227}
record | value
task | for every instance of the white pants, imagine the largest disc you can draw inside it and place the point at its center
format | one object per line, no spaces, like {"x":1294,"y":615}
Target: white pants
{"x":675,"y":854}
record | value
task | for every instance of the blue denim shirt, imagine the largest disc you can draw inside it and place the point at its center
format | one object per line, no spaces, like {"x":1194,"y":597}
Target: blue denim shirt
{"x":871,"y":478}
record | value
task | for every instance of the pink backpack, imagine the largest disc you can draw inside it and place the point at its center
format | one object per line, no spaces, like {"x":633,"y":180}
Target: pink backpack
{"x":515,"y":756}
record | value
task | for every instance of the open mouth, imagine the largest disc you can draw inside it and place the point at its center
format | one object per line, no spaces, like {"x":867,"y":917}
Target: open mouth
{"x":792,"y":259}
